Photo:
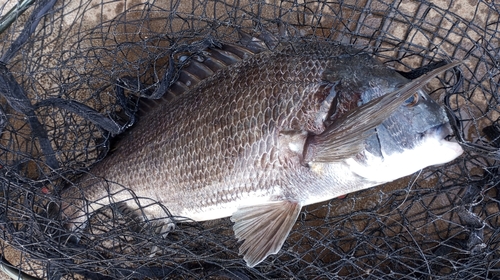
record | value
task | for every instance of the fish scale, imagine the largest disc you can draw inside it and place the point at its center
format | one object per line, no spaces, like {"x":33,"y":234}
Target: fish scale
{"x":253,"y":141}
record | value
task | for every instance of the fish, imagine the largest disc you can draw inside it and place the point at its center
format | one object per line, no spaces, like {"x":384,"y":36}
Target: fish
{"x":269,"y":132}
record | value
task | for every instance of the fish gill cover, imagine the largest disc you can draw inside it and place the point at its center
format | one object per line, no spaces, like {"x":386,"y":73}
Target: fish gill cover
{"x":68,"y":76}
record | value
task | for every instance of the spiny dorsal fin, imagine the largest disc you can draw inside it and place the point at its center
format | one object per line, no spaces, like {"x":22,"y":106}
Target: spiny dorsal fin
{"x":265,"y":41}
{"x":203,"y":65}
{"x":264,"y":228}
{"x":344,"y":137}
{"x":197,"y":68}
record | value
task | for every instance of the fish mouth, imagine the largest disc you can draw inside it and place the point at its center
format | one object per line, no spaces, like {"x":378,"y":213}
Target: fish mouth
{"x":444,"y":135}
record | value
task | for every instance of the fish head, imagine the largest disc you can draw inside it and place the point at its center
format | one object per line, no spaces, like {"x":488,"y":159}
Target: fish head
{"x":411,"y":125}
{"x":383,"y":125}
{"x":378,"y":127}
{"x":413,"y":137}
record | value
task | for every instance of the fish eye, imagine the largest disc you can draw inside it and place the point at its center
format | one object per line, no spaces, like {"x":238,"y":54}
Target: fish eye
{"x":412,"y":101}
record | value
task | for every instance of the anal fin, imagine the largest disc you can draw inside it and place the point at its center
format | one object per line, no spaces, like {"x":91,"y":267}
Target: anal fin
{"x":264,"y":228}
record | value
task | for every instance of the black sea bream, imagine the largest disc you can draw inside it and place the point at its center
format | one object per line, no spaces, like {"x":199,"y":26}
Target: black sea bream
{"x":261,"y":138}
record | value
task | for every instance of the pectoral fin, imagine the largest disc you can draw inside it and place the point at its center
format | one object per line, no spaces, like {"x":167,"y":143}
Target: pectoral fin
{"x":264,"y":228}
{"x":344,"y":137}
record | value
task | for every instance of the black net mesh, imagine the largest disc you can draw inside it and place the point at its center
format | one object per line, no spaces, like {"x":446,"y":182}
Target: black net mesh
{"x":62,"y":65}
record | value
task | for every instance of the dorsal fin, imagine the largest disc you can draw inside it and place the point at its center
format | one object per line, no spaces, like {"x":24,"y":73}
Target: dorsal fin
{"x":206,"y":63}
{"x":197,"y":67}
